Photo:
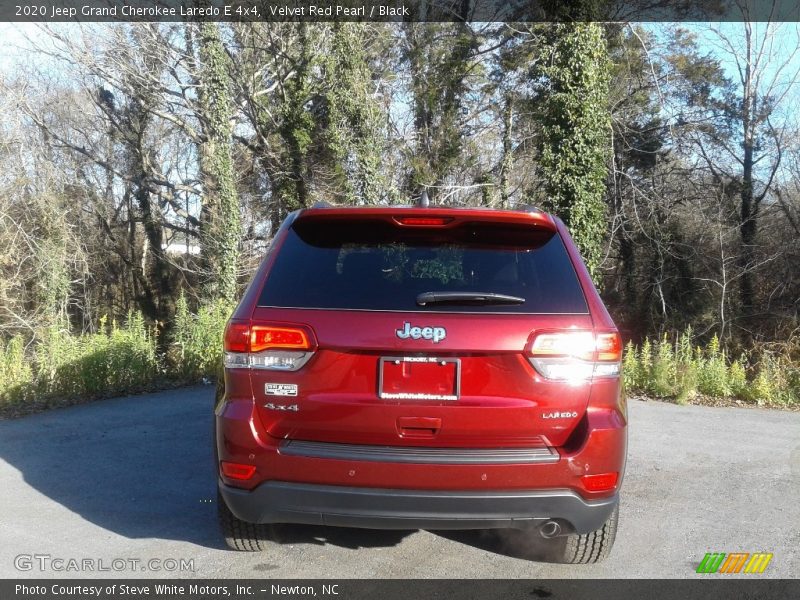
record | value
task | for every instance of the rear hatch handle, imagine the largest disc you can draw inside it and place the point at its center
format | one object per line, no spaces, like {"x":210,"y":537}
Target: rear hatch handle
{"x":418,"y":427}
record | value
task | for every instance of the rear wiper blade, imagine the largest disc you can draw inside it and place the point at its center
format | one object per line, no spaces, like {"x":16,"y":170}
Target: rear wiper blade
{"x":467,"y":298}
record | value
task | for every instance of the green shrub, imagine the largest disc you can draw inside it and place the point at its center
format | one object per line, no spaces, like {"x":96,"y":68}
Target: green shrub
{"x":114,"y":360}
{"x":793,"y":391}
{"x":117,"y":359}
{"x":764,"y":387}
{"x":16,"y":374}
{"x":131,"y":355}
{"x":632,"y":377}
{"x":197,"y":340}
{"x":686,"y":379}
{"x":713,"y":371}
{"x":776,"y":381}
{"x":685,"y":368}
{"x":663,"y":371}
{"x":737,"y":378}
{"x":680,"y":370}
{"x":645,"y":367}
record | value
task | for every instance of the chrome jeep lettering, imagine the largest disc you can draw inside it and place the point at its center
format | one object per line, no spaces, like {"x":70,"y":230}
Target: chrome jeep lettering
{"x":436,"y":334}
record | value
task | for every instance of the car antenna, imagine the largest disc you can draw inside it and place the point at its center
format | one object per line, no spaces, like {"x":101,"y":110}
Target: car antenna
{"x":424,"y":201}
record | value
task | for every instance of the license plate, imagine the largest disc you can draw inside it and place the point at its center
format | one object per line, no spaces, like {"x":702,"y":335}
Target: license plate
{"x":419,"y":378}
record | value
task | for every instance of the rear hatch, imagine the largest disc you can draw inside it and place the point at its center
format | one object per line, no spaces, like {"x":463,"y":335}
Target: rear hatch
{"x":419,"y":329}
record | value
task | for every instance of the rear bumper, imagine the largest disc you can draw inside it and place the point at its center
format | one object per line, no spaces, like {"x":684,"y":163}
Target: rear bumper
{"x":378,"y":508}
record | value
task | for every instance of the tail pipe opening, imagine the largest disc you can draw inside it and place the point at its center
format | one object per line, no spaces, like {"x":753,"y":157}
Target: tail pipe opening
{"x":550,"y":529}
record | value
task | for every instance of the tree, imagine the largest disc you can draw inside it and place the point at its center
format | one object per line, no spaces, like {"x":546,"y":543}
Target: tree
{"x":220,"y":231}
{"x":118,"y":79}
{"x":650,"y":263}
{"x":440,"y":60}
{"x":134,"y":136}
{"x":354,"y":123}
{"x":43,"y":263}
{"x":276,"y":77}
{"x":575,"y":132}
{"x":740,"y":134}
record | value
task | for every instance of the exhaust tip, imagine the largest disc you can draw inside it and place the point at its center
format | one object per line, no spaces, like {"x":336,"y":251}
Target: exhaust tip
{"x":550,"y":529}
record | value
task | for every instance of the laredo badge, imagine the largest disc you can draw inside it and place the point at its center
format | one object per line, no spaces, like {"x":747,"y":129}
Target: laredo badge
{"x":280,"y":389}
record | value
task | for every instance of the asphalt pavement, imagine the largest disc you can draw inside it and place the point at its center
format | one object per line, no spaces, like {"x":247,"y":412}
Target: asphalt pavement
{"x":126,"y":488}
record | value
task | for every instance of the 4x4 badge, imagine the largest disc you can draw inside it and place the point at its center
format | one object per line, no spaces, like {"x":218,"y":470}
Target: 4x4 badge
{"x":273,"y":406}
{"x":437,"y":334}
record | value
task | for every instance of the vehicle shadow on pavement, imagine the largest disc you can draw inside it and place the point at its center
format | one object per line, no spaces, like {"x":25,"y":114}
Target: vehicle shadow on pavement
{"x":514,"y":543}
{"x":344,"y":537}
{"x":140,"y":467}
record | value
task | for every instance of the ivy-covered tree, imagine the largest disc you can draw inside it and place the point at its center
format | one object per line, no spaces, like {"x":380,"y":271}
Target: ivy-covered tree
{"x":220,"y":230}
{"x":575,"y":135}
{"x":355,"y":132}
{"x":297,"y":124}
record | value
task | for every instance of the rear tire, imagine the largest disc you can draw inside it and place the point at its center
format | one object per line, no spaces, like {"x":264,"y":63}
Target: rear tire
{"x":241,"y":535}
{"x":591,"y":547}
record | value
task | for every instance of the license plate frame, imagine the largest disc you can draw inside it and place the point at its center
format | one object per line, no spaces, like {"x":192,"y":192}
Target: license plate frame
{"x":417,"y":396}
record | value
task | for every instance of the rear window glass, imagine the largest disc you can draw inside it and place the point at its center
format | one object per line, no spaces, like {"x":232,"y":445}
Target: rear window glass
{"x":377,"y":266}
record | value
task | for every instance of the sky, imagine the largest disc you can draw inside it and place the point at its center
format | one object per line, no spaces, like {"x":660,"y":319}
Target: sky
{"x":13,"y":39}
{"x":785,"y":49}
{"x":12,"y":36}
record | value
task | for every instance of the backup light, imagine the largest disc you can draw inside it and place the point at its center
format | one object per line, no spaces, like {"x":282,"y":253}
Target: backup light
{"x":576,"y":356}
{"x":279,"y":360}
{"x":577,"y":344}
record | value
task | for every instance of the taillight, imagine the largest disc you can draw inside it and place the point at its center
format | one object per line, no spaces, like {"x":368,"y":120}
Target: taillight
{"x":260,"y":346}
{"x":264,"y":338}
{"x":576,"y":356}
{"x":609,"y":346}
{"x":237,"y":337}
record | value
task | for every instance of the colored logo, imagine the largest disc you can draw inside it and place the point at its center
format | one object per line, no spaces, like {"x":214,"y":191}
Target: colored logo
{"x":735,"y":562}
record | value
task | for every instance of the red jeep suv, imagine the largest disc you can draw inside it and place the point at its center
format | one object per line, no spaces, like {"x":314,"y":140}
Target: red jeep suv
{"x":423,"y":367}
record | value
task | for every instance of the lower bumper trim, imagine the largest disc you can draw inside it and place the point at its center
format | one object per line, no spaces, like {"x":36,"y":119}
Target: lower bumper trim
{"x":378,"y":508}
{"x":416,"y":455}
